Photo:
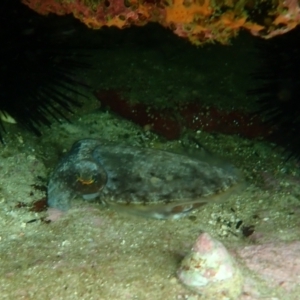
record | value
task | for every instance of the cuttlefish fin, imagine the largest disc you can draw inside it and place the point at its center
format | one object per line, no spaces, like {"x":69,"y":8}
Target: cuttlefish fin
{"x":172,"y":210}
{"x":157,"y":211}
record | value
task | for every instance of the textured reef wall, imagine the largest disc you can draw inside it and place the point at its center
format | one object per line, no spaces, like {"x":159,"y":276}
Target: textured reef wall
{"x":200,"y":21}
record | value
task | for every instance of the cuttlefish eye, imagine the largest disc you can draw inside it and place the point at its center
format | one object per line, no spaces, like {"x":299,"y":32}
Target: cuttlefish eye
{"x":88,"y":178}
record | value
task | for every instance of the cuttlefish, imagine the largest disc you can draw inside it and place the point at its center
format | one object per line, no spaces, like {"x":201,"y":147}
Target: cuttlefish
{"x":143,"y":181}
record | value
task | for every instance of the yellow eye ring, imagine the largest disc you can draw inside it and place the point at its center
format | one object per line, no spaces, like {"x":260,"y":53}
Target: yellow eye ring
{"x":84,"y":181}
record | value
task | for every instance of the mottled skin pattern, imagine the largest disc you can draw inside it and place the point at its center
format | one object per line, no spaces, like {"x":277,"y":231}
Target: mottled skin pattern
{"x":122,"y":174}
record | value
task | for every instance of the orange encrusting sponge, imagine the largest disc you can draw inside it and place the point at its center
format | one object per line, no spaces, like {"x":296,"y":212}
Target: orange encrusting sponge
{"x":200,"y":21}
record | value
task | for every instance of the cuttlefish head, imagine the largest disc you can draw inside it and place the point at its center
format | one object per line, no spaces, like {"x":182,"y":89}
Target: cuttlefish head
{"x":87,"y":179}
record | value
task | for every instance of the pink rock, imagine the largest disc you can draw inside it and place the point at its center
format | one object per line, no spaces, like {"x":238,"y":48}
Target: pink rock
{"x":278,"y":264}
{"x":210,"y":270}
{"x":54,"y":214}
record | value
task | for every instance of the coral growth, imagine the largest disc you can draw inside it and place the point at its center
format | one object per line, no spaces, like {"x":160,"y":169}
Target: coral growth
{"x":199,"y":21}
{"x":193,"y":116}
{"x":159,"y":122}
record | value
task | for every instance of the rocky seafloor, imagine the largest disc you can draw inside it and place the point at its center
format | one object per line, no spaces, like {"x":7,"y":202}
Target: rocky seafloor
{"x":94,"y":252}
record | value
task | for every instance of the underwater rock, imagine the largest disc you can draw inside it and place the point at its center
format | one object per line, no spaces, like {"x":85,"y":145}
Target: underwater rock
{"x":275,"y":263}
{"x":148,"y":182}
{"x":210,"y":271}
